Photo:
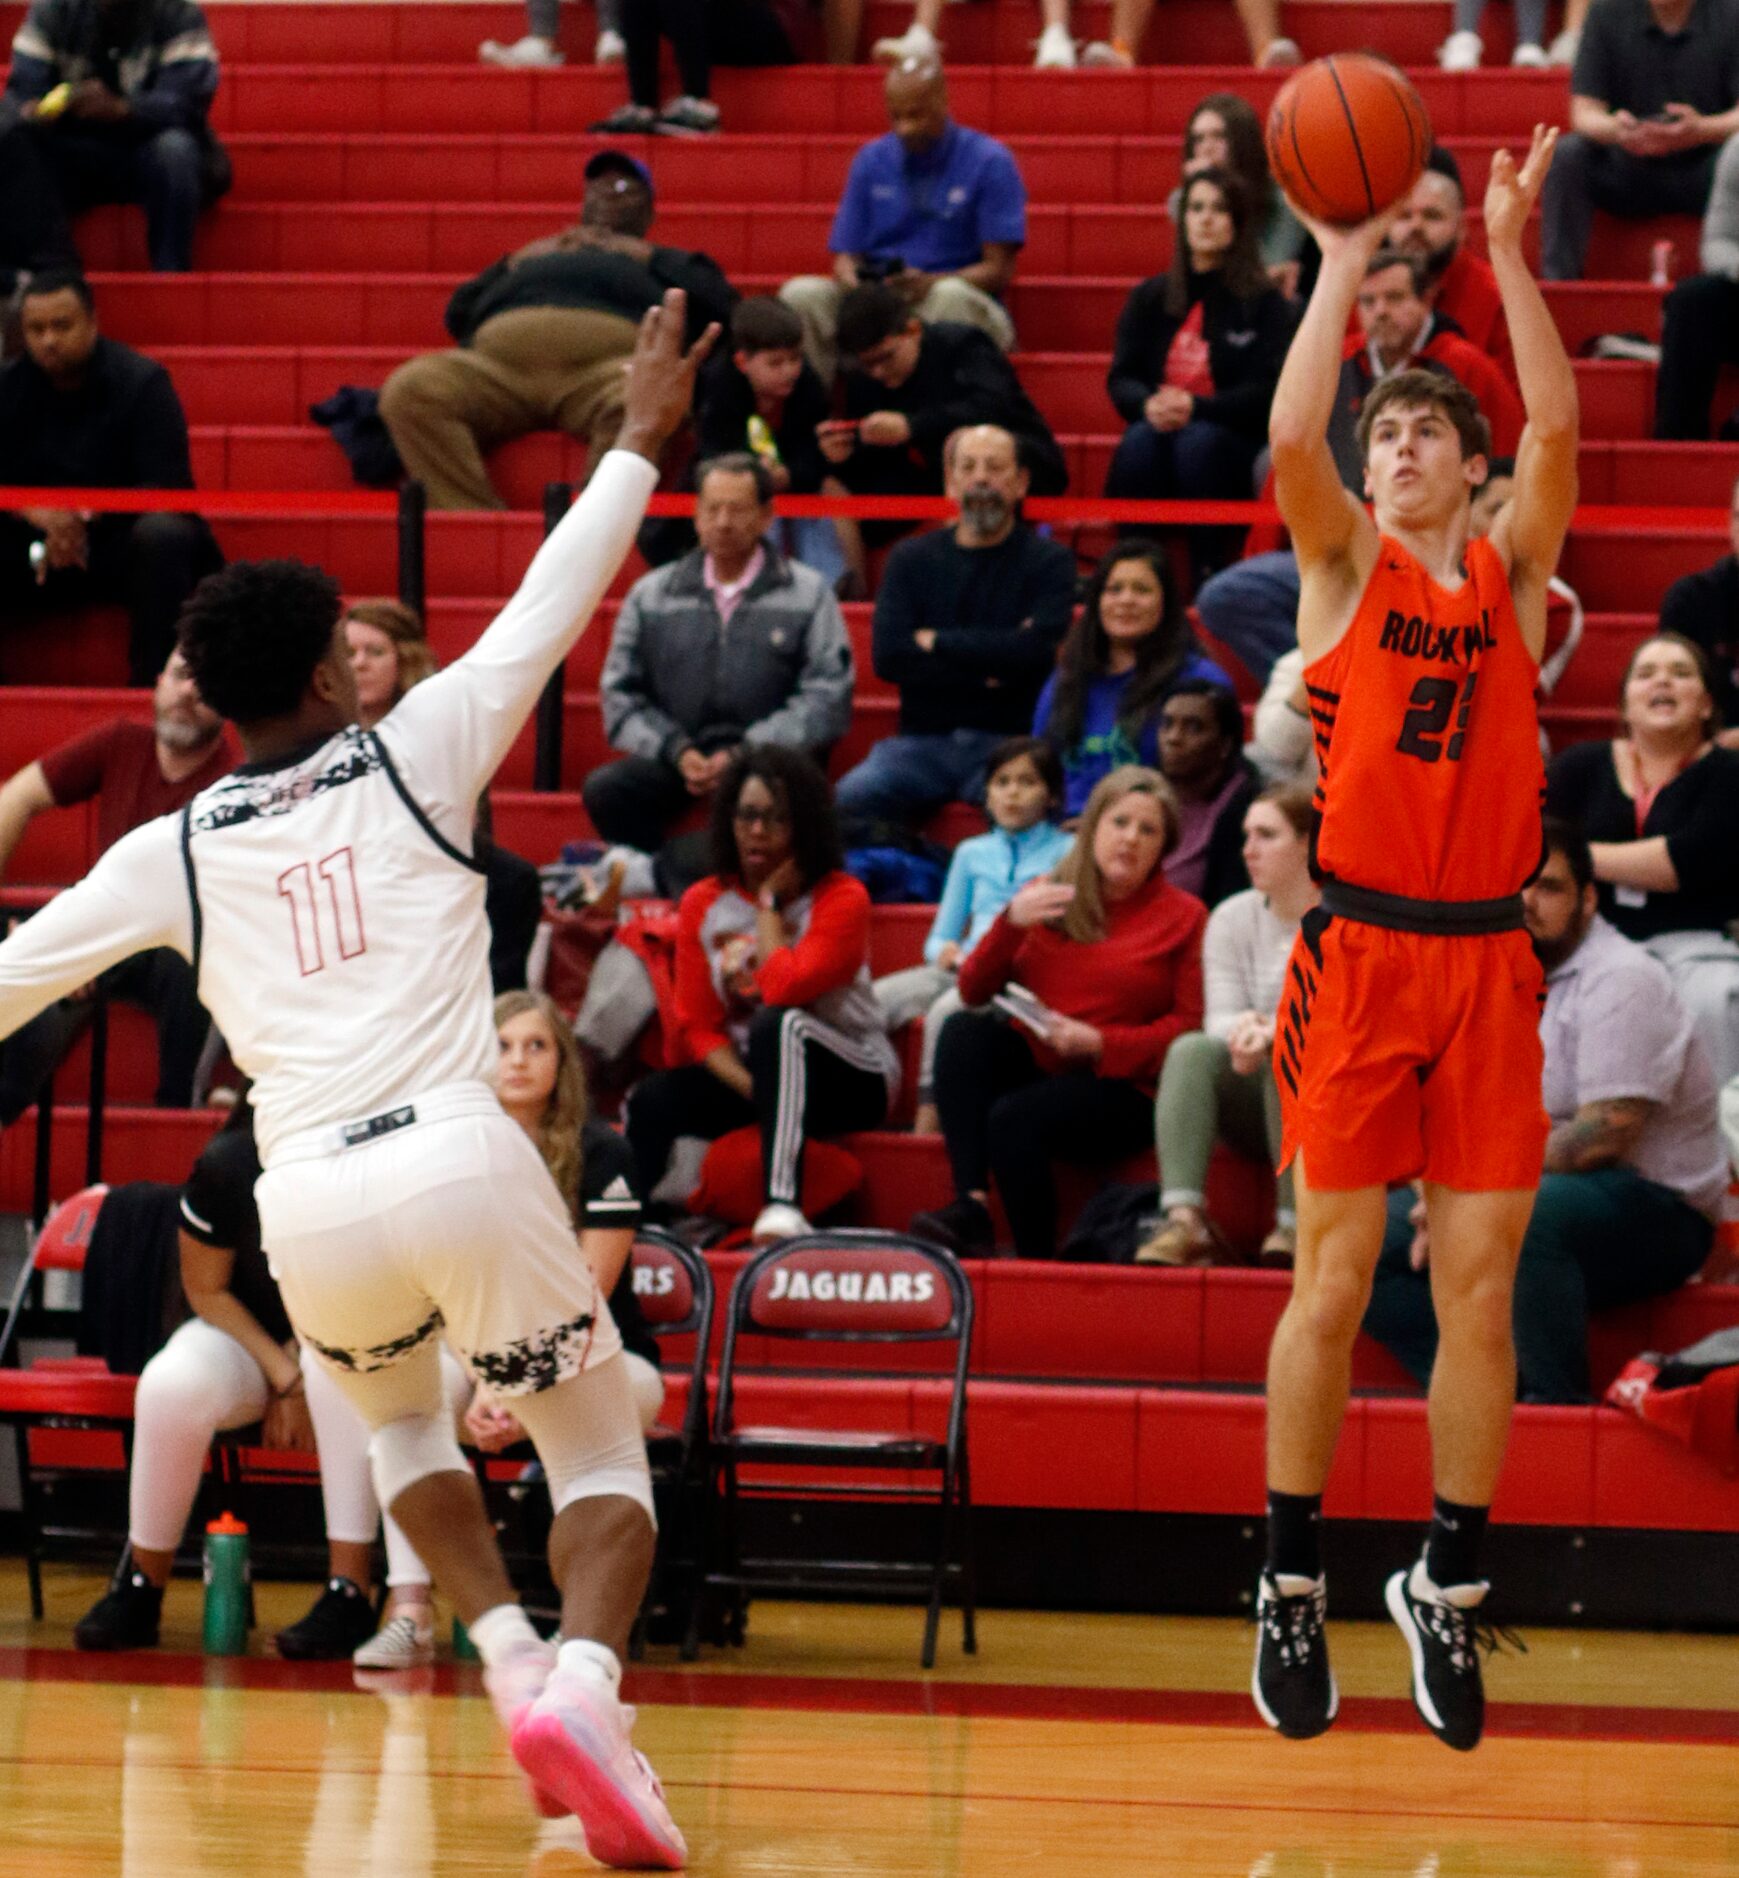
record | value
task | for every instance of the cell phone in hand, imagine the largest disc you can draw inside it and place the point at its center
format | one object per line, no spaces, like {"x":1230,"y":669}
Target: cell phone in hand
{"x":1031,"y":1013}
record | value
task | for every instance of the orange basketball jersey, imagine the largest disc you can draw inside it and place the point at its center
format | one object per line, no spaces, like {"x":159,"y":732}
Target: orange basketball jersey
{"x":1427,"y":737}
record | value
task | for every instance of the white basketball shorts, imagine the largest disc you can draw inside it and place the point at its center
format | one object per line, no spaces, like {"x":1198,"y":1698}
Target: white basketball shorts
{"x":436,"y":1217}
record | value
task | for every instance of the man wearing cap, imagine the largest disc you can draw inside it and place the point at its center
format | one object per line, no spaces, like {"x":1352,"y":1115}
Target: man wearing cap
{"x":1459,"y":286}
{"x":544,"y":338}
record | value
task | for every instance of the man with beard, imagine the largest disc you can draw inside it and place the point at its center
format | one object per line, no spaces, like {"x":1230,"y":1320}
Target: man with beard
{"x":1459,"y":286}
{"x":1635,"y":1169}
{"x":967,"y":624}
{"x":132,"y":773}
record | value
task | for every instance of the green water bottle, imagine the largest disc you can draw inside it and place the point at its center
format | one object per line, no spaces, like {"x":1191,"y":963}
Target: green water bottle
{"x":464,"y":1650}
{"x":226,"y":1587}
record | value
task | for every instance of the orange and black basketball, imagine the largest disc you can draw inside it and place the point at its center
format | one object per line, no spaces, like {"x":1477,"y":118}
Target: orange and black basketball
{"x":1347,"y":137}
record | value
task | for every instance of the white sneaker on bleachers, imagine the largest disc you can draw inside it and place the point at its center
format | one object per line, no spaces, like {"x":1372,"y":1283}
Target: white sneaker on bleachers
{"x":779,"y":1220}
{"x":916,"y":42}
{"x":1461,"y":52}
{"x":531,"y":52}
{"x":1056,"y":50}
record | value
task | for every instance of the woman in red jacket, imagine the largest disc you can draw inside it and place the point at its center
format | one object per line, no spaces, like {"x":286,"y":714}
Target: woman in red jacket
{"x":777,"y":1023}
{"x":1093,"y":972}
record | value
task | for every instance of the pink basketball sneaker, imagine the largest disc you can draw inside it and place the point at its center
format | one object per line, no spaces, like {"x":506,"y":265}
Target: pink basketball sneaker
{"x":514,"y":1686}
{"x":573,"y":1743}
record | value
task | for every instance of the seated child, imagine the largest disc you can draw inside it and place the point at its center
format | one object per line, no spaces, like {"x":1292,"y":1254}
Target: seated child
{"x":1024,"y":794}
{"x":764,"y":397}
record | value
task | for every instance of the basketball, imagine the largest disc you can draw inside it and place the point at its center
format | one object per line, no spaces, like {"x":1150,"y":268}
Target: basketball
{"x":1348,"y":137}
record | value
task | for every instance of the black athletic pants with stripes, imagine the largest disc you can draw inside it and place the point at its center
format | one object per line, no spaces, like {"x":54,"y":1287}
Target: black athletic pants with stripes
{"x":804,"y":1087}
{"x":1003,"y":1115}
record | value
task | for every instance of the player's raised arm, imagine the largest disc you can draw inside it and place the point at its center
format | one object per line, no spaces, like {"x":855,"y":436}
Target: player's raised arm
{"x":1321,"y":512}
{"x":465,"y":719}
{"x":1530,"y":531}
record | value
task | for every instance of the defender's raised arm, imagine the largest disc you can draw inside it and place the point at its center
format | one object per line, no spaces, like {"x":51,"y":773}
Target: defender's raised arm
{"x":471,"y":713}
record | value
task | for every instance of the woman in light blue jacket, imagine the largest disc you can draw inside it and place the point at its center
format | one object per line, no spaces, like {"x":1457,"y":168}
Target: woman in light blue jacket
{"x":1022,"y":798}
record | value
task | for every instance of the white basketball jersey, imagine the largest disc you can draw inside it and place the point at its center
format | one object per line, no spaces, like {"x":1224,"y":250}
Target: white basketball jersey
{"x":338,"y":937}
{"x":329,"y":902}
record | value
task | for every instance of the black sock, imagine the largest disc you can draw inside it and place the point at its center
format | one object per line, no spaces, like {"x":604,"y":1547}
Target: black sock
{"x":1295,"y":1534}
{"x":1452,"y":1546}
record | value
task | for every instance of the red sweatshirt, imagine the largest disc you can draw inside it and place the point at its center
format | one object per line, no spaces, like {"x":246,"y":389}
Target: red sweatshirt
{"x":1468,"y":294}
{"x":1139,"y":987}
{"x":824,"y":968}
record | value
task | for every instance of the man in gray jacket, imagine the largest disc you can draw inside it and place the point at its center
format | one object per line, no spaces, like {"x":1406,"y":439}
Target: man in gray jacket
{"x":732,"y":644}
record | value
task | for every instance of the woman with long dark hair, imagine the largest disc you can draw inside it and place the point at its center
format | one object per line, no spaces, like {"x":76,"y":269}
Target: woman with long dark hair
{"x":1197,"y":355}
{"x":777,"y":1023}
{"x":1224,"y":132}
{"x":1127,"y":650}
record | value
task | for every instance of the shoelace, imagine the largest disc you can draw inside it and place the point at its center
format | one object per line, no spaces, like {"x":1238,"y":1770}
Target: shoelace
{"x":1467,"y":1636}
{"x":1293,"y":1625}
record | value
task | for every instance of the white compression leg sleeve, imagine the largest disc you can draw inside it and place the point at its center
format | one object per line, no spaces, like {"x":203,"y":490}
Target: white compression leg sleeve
{"x":201,"y":1381}
{"x":403,"y":1405}
{"x":403,"y":1567}
{"x":346,"y":1484}
{"x":587,"y":1434}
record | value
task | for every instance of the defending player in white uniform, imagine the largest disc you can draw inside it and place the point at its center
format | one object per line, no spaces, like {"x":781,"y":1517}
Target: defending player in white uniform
{"x":326,"y":895}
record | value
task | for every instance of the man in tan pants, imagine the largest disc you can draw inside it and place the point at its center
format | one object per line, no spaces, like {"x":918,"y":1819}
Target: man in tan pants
{"x":544,"y":338}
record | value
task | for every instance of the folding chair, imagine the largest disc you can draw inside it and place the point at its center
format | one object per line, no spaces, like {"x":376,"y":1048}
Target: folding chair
{"x":846,"y":1290}
{"x":674,"y":1287}
{"x":76,"y":1392}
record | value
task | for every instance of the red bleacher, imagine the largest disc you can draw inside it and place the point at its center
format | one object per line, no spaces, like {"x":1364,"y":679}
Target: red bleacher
{"x":377,"y":164}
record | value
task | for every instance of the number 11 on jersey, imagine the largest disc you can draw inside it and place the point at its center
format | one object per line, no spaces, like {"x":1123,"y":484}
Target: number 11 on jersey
{"x":324,"y":887}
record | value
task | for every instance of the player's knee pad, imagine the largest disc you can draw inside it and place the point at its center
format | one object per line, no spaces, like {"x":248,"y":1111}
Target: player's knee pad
{"x":405,"y":1451}
{"x":587,"y":1434}
{"x":600,"y":1478}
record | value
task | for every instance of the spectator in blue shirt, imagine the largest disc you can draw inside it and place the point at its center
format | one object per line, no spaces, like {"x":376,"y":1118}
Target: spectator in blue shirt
{"x":108,"y":101}
{"x":1125,"y":655}
{"x":1022,"y":799}
{"x":936,"y":210}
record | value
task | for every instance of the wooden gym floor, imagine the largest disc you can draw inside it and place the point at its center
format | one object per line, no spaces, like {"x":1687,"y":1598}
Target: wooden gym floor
{"x":1072,"y":1745}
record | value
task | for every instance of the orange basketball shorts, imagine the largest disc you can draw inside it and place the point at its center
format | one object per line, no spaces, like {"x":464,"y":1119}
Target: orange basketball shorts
{"x":1402,"y":1055}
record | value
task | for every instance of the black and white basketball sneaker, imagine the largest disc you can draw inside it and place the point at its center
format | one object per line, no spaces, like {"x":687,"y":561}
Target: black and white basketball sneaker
{"x":1446,"y":1639}
{"x":1292,"y":1682}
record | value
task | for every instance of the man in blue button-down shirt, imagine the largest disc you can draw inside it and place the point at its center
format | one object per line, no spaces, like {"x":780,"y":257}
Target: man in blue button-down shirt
{"x":935,"y":209}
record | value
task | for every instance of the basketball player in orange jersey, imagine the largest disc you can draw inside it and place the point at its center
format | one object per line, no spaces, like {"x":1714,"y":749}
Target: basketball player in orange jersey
{"x":1409,"y":1040}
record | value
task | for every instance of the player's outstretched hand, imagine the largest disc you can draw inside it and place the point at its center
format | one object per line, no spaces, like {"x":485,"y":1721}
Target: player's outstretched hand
{"x":1360,"y":241}
{"x":1511,"y":193}
{"x":661,"y":376}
